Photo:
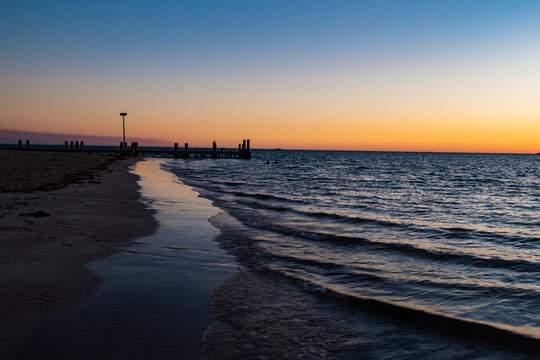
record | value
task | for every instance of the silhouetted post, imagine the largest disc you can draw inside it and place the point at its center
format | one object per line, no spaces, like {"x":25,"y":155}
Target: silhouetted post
{"x":77,"y":145}
{"x":136,"y":149}
{"x":71,"y":145}
{"x":186,"y":150}
{"x":82,"y":145}
{"x":20,"y":144}
{"x":66,"y":145}
{"x":214,"y":150}
{"x":247,"y":154}
{"x":122,"y":148}
{"x":123,"y":115}
{"x":27,"y":144}
{"x":175,"y":149}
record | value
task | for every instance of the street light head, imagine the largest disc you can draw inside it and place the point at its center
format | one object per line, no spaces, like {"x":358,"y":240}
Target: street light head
{"x":123,"y":114}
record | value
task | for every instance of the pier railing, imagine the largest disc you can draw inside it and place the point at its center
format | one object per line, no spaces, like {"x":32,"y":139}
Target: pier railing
{"x":243,"y":151}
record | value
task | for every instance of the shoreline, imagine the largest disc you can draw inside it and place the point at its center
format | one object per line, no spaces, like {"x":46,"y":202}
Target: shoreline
{"x":49,"y":237}
{"x":154,"y":300}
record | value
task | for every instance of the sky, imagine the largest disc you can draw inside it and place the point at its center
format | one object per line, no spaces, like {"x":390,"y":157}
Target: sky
{"x":460,"y":75}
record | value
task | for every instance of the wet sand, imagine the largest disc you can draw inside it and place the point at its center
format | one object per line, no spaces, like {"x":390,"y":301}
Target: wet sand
{"x":48,"y":236}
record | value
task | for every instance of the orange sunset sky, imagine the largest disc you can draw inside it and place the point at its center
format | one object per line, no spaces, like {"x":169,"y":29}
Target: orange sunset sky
{"x":453,"y":76}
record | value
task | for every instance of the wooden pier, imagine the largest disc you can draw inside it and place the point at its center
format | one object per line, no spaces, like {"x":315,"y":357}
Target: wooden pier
{"x":243,"y":151}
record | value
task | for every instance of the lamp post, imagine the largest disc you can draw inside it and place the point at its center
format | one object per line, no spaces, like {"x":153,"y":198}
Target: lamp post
{"x":123,"y":115}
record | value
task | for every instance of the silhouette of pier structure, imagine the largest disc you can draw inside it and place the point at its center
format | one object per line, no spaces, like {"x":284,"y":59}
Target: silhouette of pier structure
{"x":243,"y":151}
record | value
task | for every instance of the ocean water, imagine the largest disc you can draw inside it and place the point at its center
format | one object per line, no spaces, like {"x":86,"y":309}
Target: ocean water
{"x":447,"y":240}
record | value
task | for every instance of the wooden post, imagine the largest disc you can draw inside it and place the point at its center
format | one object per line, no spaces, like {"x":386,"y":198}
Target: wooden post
{"x":247,"y":153}
{"x":214,"y":150}
{"x":71,"y":145}
{"x":186,"y":150}
{"x":20,"y":144}
{"x":66,"y":145}
{"x":122,"y":148}
{"x":77,"y":145}
{"x":175,"y":149}
{"x":27,"y":144}
{"x":136,"y":148}
{"x":82,"y":145}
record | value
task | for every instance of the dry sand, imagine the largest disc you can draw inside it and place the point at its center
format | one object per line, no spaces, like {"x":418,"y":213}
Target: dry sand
{"x":47,"y":237}
{"x":37,"y":170}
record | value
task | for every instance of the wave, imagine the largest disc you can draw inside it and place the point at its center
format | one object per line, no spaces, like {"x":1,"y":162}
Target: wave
{"x":440,"y":233}
{"x":518,"y":337}
{"x":262,"y":196}
{"x":468,"y":259}
{"x":376,"y":275}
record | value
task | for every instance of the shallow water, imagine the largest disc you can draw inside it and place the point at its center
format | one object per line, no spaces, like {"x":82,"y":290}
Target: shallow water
{"x":451,"y":238}
{"x":155,"y":299}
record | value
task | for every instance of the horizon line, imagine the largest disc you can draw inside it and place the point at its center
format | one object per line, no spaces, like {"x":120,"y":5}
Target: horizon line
{"x":100,"y":140}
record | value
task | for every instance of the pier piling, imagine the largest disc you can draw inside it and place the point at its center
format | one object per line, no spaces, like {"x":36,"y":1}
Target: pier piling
{"x":244,"y":150}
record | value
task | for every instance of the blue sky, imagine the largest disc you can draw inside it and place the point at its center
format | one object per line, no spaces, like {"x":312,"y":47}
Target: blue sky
{"x":111,"y":34}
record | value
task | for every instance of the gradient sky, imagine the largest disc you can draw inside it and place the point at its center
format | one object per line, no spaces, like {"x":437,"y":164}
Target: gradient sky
{"x":458,"y":75}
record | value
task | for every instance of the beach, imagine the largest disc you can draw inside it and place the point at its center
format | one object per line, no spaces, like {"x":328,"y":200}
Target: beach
{"x":148,"y":298}
{"x":74,"y":208}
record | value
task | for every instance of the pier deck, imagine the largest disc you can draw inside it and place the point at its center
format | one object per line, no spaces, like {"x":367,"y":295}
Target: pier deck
{"x":243,"y":151}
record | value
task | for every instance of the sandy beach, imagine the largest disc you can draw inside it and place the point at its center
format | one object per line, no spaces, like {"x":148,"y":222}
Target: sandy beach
{"x":58,"y":212}
{"x":154,"y":297}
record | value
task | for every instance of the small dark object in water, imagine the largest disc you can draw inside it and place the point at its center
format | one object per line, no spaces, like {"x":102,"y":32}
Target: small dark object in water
{"x":39,"y":213}
{"x":267,"y":162}
{"x":275,"y":162}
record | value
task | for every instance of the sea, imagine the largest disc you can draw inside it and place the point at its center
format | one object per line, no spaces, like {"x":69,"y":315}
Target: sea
{"x":377,"y":254}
